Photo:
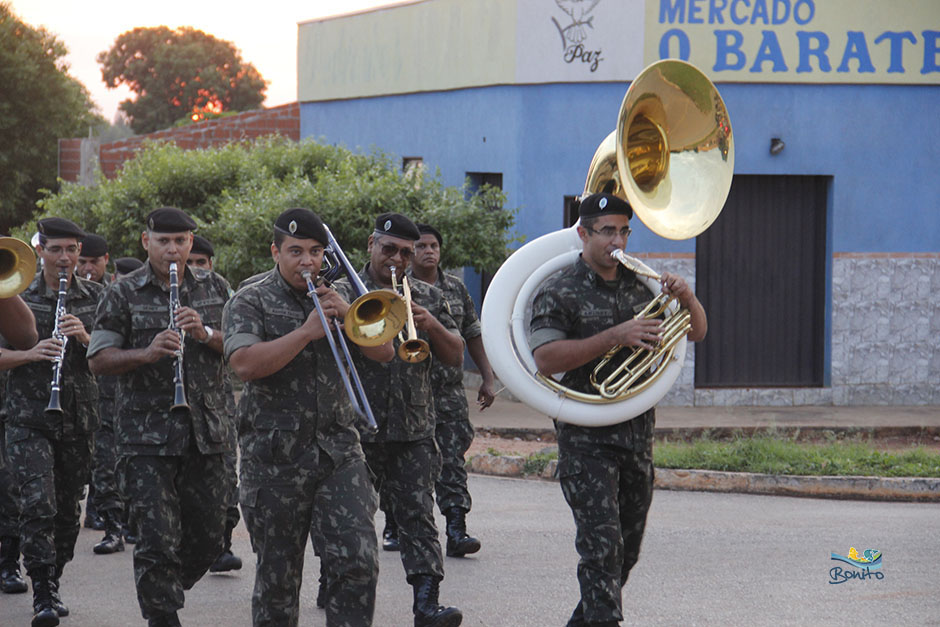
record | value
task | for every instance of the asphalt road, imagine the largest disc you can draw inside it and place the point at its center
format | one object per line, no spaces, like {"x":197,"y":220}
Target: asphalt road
{"x":707,"y":559}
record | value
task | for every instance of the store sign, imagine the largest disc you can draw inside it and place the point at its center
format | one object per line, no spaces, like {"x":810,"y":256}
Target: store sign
{"x":799,"y":41}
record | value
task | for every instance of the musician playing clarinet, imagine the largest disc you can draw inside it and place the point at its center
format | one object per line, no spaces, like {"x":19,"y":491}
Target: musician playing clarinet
{"x":171,"y":425}
{"x":606,"y":473}
{"x":302,"y":464}
{"x":50,"y":448}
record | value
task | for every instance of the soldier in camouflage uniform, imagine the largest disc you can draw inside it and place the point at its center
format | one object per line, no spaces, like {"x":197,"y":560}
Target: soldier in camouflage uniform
{"x":200,"y":257}
{"x":17,"y":329}
{"x":302,"y":465}
{"x":170,"y":460}
{"x":50,"y":453}
{"x":606,"y":473}
{"x":453,"y":430}
{"x":403,"y":454}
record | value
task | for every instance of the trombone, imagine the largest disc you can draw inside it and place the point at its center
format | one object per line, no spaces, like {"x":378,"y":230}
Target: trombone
{"x":357,"y":396}
{"x":413,"y":349}
{"x":17,"y":266}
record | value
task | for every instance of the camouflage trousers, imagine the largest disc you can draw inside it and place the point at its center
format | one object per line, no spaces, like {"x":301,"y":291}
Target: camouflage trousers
{"x":609,"y":490}
{"x":104,"y":474}
{"x":232,"y":515}
{"x":405,"y":473}
{"x":453,"y":439}
{"x":9,"y":494}
{"x":50,"y":474}
{"x":177,"y":506}
{"x":336,"y":506}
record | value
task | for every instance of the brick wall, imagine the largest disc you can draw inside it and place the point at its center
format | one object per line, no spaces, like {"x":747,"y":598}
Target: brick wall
{"x":283,"y":120}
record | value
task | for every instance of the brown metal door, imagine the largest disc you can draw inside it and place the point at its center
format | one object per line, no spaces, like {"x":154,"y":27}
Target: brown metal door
{"x":761,"y":275}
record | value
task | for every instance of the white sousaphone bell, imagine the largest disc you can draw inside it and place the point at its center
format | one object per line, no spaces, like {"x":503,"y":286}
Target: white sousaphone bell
{"x":672,"y":158}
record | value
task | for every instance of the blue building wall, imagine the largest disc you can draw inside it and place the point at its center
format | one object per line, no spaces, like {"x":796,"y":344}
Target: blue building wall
{"x":881,"y":145}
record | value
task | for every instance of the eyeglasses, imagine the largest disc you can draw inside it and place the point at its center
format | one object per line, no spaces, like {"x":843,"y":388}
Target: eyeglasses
{"x":610,"y":232}
{"x":390,"y":250}
{"x":58,"y":250}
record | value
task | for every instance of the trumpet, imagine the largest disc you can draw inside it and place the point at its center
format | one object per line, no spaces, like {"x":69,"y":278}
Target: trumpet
{"x":179,"y":392}
{"x":55,"y":404}
{"x":344,"y":362}
{"x":413,"y":349}
{"x":17,"y":266}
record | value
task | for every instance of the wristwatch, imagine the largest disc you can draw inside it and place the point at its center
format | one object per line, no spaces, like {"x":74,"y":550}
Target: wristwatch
{"x":209,"y":333}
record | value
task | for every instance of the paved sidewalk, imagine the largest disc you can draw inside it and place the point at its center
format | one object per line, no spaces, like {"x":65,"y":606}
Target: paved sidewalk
{"x":513,"y":419}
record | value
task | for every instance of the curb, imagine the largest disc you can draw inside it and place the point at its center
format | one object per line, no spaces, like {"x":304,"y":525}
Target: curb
{"x":911,"y":489}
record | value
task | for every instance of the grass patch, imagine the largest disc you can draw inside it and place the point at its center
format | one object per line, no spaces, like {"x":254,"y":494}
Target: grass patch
{"x":785,"y":456}
{"x":534,"y":464}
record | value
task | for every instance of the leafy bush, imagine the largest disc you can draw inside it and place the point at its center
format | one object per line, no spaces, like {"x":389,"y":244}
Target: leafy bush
{"x":236,"y":191}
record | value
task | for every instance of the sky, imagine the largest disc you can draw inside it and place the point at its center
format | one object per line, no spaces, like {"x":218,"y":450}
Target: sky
{"x":265,"y":33}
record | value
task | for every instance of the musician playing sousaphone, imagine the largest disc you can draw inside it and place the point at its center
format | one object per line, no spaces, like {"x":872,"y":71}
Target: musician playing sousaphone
{"x":302,"y":464}
{"x":50,"y":452}
{"x":170,"y":438}
{"x":606,"y":473}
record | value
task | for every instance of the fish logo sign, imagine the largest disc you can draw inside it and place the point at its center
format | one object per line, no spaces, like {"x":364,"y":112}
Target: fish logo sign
{"x":574,"y":36}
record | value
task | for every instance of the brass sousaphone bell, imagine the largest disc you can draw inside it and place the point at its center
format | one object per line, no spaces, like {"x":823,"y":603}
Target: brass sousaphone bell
{"x":17,"y":266}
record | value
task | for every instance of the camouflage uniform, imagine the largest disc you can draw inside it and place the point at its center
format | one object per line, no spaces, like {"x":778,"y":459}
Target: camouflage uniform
{"x":403,"y":454}
{"x":169,"y":462}
{"x":606,"y":473}
{"x":9,"y":492}
{"x":107,"y":495}
{"x":50,"y":455}
{"x":453,"y":431}
{"x":302,"y":466}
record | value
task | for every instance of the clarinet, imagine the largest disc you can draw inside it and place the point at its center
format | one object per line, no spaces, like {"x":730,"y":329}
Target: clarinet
{"x":55,"y":404}
{"x":179,"y":392}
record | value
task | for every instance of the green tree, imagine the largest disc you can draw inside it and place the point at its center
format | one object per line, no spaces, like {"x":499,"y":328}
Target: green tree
{"x":236,"y":191}
{"x":39,"y":103}
{"x":177,"y":72}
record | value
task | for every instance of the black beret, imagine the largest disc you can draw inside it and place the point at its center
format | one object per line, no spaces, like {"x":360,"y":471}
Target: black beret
{"x":201,"y":246}
{"x":396,"y":225}
{"x":302,"y":224}
{"x":427,"y":228}
{"x":597,"y":205}
{"x":94,"y":246}
{"x":170,"y":220}
{"x":124,"y":265}
{"x":52,"y":228}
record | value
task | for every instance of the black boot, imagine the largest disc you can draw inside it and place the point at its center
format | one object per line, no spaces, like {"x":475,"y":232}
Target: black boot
{"x":458,"y":542}
{"x":11,"y":582}
{"x":169,"y":619}
{"x":226,"y":560}
{"x":428,"y":612}
{"x":390,"y":535}
{"x":61,"y":608}
{"x":44,"y":613}
{"x":113,"y":540}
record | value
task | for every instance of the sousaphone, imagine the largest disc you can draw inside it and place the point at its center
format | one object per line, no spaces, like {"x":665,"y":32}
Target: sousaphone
{"x":671,"y":156}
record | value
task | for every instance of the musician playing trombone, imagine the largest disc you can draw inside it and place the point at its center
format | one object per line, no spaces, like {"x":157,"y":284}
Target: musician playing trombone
{"x":302,"y":465}
{"x":606,"y":473}
{"x":171,"y":424}
{"x":403,"y":454}
{"x":50,"y":452}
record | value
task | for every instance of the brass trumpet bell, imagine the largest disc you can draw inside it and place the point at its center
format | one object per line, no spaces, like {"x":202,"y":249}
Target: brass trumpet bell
{"x":375,"y":318}
{"x":672,"y":153}
{"x":17,"y":266}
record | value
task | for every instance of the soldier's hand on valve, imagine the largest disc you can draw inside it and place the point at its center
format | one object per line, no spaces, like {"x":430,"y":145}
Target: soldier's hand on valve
{"x":72,"y":327}
{"x":190,"y":321}
{"x":675,"y":285}
{"x":640,"y":332}
{"x":422,"y":317}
